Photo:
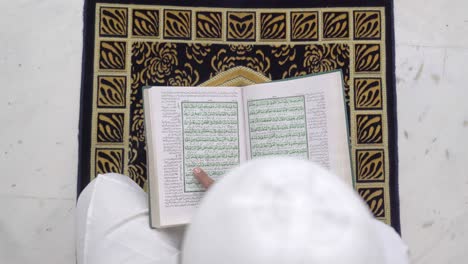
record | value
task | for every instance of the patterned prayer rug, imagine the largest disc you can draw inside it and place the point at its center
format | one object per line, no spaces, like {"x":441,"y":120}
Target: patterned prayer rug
{"x":130,"y":44}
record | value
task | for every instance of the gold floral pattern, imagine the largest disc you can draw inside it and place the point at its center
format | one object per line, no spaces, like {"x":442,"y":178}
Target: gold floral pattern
{"x":159,"y":60}
{"x":138,"y":121}
{"x":137,"y":165}
{"x":187,"y":77}
{"x":324,"y":58}
{"x":284,"y":53}
{"x":241,"y":49}
{"x":256,"y":60}
{"x":197,"y":52}
{"x":293,"y":71}
{"x":317,"y":59}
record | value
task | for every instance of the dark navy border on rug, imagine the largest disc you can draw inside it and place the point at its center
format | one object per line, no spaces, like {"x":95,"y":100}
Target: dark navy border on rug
{"x":88,"y":69}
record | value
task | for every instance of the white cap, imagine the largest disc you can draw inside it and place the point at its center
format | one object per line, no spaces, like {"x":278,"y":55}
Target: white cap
{"x":282,"y":210}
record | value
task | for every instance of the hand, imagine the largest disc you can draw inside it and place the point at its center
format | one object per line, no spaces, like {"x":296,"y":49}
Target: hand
{"x":202,"y":177}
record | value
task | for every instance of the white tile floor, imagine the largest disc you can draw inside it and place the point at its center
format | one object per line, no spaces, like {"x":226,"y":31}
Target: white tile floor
{"x":40,"y":68}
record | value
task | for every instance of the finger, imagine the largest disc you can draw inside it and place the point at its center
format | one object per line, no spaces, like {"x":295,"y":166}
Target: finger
{"x":202,"y":177}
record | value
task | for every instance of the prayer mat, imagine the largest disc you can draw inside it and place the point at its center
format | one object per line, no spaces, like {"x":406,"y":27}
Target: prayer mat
{"x":130,"y":44}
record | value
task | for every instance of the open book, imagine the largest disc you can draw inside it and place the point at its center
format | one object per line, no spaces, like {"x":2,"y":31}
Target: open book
{"x":217,"y":128}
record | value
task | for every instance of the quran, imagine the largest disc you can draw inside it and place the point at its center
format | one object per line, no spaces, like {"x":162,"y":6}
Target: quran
{"x":218,"y":128}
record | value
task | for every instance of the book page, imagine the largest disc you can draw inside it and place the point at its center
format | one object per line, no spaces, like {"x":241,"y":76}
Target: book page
{"x":303,"y":117}
{"x":278,"y":126}
{"x":210,"y":132}
{"x":192,"y":127}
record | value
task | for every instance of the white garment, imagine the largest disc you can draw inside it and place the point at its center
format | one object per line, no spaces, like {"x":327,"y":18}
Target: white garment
{"x":113,"y":227}
{"x":276,"y":210}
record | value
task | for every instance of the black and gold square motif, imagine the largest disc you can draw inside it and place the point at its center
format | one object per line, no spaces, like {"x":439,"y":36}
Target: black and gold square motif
{"x":241,"y":26}
{"x":111,"y":91}
{"x":370,"y":165}
{"x":177,"y":24}
{"x":113,"y":22}
{"x":367,"y":58}
{"x":109,"y":160}
{"x":145,"y":23}
{"x":112,"y":55}
{"x":335,"y":25}
{"x":304,"y":26}
{"x":375,"y":199}
{"x":367,"y":25}
{"x":368,"y":93}
{"x":369,"y":129}
{"x":209,"y":25}
{"x":273,"y":26}
{"x":110,"y":127}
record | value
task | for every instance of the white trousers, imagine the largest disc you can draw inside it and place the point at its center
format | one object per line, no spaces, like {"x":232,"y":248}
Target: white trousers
{"x":113,"y":226}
